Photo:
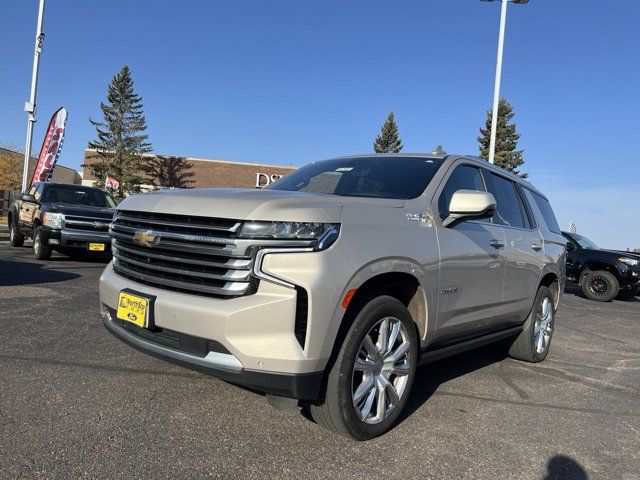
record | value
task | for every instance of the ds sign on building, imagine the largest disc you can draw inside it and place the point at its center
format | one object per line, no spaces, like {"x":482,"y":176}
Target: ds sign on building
{"x":263,"y":179}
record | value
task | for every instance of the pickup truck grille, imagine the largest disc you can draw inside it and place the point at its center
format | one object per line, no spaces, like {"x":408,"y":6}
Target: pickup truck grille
{"x":87,"y":224}
{"x":197,"y":255}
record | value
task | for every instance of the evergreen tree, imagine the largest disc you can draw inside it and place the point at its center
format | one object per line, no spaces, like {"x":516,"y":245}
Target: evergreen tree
{"x":169,"y":172}
{"x":388,"y":141}
{"x":121,"y":139}
{"x":506,"y":155}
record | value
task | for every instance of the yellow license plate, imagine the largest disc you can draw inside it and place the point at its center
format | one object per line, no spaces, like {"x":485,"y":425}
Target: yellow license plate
{"x":96,"y":247}
{"x":134,"y":309}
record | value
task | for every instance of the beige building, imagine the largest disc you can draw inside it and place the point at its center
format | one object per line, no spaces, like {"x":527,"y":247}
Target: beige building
{"x":61,"y":173}
{"x":212,"y":173}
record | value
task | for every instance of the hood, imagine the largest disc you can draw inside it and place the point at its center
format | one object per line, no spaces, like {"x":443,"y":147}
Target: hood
{"x":251,"y":204}
{"x":80,"y":210}
{"x":622,"y":253}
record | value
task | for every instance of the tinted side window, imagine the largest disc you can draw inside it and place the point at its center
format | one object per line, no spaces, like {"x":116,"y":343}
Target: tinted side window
{"x":463,"y":177}
{"x":546,"y":210}
{"x":509,"y":207}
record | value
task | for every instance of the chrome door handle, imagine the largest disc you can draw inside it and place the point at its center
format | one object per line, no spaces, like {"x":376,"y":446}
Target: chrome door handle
{"x":496,"y":243}
{"x":536,"y":247}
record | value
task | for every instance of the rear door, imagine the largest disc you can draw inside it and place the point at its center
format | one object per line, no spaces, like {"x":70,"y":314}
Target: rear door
{"x":524,"y":246}
{"x":472,"y":265}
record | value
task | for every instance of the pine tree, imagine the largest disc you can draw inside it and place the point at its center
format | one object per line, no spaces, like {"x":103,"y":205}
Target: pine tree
{"x":388,"y":141}
{"x":169,"y":172}
{"x":121,"y":139}
{"x":506,"y":155}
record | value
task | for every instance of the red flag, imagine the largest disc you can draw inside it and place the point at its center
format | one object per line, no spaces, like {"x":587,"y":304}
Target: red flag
{"x":51,"y":147}
{"x":111,"y":183}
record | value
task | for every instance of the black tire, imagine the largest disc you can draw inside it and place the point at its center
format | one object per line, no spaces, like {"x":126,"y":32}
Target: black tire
{"x":337,"y":411}
{"x":40,"y":250}
{"x":525,"y":345}
{"x":600,"y":285}
{"x":16,"y":239}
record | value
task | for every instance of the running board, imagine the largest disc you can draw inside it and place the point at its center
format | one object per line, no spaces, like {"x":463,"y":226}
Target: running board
{"x":429,"y":356}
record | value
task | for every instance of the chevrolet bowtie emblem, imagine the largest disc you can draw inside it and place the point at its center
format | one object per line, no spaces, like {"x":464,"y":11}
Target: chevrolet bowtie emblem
{"x":146,"y":238}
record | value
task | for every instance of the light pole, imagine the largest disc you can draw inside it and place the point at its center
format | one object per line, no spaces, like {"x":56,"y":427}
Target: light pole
{"x":30,"y":106}
{"x":496,"y":88}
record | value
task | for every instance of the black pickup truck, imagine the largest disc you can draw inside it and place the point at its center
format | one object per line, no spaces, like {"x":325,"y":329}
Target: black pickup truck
{"x":62,"y":217}
{"x":602,"y":274}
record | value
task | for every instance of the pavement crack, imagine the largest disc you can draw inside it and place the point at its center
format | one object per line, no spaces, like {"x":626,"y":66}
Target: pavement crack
{"x":104,"y":367}
{"x":537,"y":404}
{"x":587,"y":381}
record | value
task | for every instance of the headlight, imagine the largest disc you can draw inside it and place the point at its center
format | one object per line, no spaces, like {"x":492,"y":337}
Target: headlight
{"x":53,"y":220}
{"x":629,"y":261}
{"x":325,"y":233}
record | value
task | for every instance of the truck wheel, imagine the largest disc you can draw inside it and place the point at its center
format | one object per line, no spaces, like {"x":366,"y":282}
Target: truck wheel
{"x":532,"y":345}
{"x":40,"y":250}
{"x":16,"y":239}
{"x":369,"y":383}
{"x":600,"y":285}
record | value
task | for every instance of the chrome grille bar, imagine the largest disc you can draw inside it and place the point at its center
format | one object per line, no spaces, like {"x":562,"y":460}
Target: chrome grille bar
{"x":197,"y":255}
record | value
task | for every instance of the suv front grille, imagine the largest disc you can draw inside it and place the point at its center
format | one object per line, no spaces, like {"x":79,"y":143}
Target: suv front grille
{"x":197,"y":255}
{"x":87,"y":224}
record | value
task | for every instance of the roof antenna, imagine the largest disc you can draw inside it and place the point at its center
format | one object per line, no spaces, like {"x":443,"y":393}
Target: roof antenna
{"x":439,"y":151}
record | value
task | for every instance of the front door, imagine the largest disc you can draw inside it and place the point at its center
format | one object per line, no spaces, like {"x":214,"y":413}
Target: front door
{"x":472,"y":266}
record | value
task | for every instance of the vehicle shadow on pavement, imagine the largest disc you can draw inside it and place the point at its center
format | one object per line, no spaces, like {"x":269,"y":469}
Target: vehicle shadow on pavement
{"x":577,"y":291}
{"x":561,"y":467}
{"x":27,"y":273}
{"x":429,"y":377}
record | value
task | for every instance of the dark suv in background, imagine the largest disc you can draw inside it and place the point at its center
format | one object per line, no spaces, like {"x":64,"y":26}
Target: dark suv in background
{"x":62,"y":217}
{"x":602,"y":274}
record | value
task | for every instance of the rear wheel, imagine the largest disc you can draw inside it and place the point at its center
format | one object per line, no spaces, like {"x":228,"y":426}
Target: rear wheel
{"x":16,"y":239}
{"x":369,"y":383}
{"x":600,"y":285}
{"x":533,"y":343}
{"x":40,"y":250}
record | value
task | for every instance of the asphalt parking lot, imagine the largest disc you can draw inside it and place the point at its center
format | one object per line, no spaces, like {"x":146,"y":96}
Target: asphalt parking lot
{"x":76,"y":403}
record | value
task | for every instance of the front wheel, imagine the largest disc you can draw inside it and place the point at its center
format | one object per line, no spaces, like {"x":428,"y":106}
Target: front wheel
{"x":40,"y":250}
{"x":369,"y":383}
{"x":600,"y":285}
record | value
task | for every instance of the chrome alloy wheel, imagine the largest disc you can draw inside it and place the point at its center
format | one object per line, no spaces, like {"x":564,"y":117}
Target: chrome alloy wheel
{"x":543,"y":328}
{"x":381,"y":370}
{"x":36,"y":244}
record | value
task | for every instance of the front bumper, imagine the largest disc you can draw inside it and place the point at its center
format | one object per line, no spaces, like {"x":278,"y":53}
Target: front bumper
{"x":630,"y":278}
{"x":76,"y":239}
{"x":304,"y":386}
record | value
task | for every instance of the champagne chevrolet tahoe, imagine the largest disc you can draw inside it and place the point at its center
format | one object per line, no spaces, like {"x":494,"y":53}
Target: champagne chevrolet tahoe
{"x":328,"y":288}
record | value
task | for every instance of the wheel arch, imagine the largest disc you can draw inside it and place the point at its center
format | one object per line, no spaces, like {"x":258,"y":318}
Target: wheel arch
{"x":552,"y":282}
{"x":595,"y":265}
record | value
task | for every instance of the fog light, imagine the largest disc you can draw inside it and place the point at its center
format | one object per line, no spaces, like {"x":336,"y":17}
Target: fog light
{"x":54,"y":241}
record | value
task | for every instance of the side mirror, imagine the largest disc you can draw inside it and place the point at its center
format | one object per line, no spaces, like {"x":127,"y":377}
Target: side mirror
{"x":571,"y":247}
{"x":470,"y":205}
{"x":28,"y":198}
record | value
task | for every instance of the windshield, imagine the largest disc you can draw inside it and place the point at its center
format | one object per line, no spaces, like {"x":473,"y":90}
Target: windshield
{"x":381,"y":177}
{"x":77,"y":195}
{"x":584,"y":242}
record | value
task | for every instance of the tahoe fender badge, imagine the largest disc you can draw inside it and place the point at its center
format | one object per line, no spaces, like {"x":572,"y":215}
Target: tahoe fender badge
{"x":449,"y":291}
{"x":421,"y":217}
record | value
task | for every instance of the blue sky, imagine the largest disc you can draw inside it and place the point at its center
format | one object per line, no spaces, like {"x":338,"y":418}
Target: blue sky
{"x":291,"y":81}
